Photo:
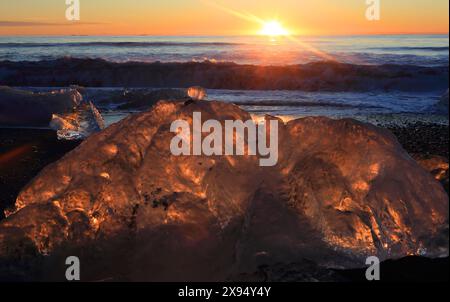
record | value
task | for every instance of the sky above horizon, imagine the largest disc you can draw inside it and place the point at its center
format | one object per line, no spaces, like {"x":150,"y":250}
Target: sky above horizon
{"x":230,"y":17}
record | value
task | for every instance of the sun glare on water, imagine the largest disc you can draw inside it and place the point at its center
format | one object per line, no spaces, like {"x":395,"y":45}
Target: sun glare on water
{"x":273,"y":29}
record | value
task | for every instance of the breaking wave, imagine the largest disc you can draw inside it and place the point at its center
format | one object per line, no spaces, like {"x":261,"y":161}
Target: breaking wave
{"x":317,"y":76}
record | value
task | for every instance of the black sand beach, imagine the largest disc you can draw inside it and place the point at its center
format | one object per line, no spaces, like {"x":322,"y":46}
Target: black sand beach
{"x":23,"y":153}
{"x":422,"y":138}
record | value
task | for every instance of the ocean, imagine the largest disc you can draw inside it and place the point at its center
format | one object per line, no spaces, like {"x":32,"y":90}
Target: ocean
{"x":287,"y":95}
{"x":423,"y":50}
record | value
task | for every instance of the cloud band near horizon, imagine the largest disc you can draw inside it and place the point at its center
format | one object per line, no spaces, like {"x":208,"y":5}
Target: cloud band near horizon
{"x":38,"y":23}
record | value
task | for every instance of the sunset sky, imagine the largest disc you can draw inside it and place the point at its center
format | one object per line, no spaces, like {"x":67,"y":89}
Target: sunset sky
{"x":221,"y":17}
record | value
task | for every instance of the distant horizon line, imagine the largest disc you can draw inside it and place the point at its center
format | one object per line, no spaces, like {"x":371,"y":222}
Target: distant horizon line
{"x":226,"y":35}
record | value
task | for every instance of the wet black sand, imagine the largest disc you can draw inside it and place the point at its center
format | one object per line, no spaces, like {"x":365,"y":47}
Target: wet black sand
{"x":23,"y":153}
{"x":422,"y":138}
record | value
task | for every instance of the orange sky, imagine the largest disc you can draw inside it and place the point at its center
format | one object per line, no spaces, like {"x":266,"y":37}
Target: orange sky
{"x":198,"y":17}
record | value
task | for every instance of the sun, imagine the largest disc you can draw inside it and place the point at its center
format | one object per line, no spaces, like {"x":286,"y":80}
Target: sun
{"x":273,"y":28}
